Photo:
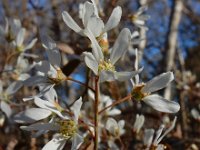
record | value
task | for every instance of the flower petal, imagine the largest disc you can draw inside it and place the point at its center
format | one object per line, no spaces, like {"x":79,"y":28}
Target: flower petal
{"x":31,"y":44}
{"x":96,"y":49}
{"x":76,"y":108}
{"x":14,"y":87}
{"x":91,"y":62}
{"x":31,"y":115}
{"x":70,"y":22}
{"x":6,"y":108}
{"x":43,"y":66}
{"x":160,"y":104}
{"x":158,"y":82}
{"x":47,"y":42}
{"x":40,"y":126}
{"x":88,"y":11}
{"x":20,"y":37}
{"x":54,"y":57}
{"x":148,"y":137}
{"x":57,"y":143}
{"x":76,"y":142}
{"x":114,"y":19}
{"x":95,"y":25}
{"x":121,"y":45}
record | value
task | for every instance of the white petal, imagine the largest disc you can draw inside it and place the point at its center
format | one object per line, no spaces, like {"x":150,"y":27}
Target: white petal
{"x":124,"y":76}
{"x":76,"y":142}
{"x":47,"y":42}
{"x":20,"y":36}
{"x":111,"y":125}
{"x":6,"y":108}
{"x":54,"y":57}
{"x":14,"y":87}
{"x":148,"y":137}
{"x":31,"y":44}
{"x":31,"y":115}
{"x":106,"y":76}
{"x":138,"y":123}
{"x":1,"y":86}
{"x":35,"y":80}
{"x":88,"y":10}
{"x":56,"y":143}
{"x":96,"y":49}
{"x":158,"y":133}
{"x":43,"y":66}
{"x":49,"y":106}
{"x":121,"y":45}
{"x":121,"y":124}
{"x":114,"y":112}
{"x":160,"y":104}
{"x":76,"y":107}
{"x":95,"y":25}
{"x":51,"y":95}
{"x":91,"y":62}
{"x":40,"y":126}
{"x":70,"y":22}
{"x":114,"y":19}
{"x":158,"y":82}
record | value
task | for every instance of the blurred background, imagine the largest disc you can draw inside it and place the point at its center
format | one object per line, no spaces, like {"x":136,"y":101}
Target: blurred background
{"x":169,"y":41}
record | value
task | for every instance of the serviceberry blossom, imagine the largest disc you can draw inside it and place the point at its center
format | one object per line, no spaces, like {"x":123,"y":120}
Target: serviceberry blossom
{"x":105,"y":67}
{"x":142,"y":92}
{"x":139,"y":122}
{"x":91,"y":20}
{"x":139,"y":19}
{"x":152,"y":142}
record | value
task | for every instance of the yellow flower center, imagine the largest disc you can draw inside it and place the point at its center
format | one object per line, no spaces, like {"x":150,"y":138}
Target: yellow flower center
{"x":137,"y":93}
{"x":60,"y":77}
{"x":20,"y":48}
{"x":67,"y":128}
{"x":106,"y":65}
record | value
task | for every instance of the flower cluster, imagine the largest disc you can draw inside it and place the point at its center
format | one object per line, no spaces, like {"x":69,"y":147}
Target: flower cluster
{"x":90,"y":117}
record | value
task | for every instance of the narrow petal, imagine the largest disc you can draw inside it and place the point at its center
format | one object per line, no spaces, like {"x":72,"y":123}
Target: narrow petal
{"x":31,"y":44}
{"x":96,"y":49}
{"x":49,"y":106}
{"x":43,"y":66}
{"x":14,"y":87}
{"x":95,"y":25}
{"x":114,"y":19}
{"x":158,"y":82}
{"x":51,"y":95}
{"x":47,"y":42}
{"x":20,"y":36}
{"x":106,"y":76}
{"x":111,"y":125}
{"x":35,"y":80}
{"x":54,"y":57}
{"x":88,"y":10}
{"x":124,"y":76}
{"x":91,"y":62}
{"x":70,"y":22}
{"x":6,"y":108}
{"x":31,"y":115}
{"x":57,"y":143}
{"x":121,"y":45}
{"x":40,"y":126}
{"x":114,"y":112}
{"x":76,"y":108}
{"x":148,"y":137}
{"x":76,"y":142}
{"x":160,"y":104}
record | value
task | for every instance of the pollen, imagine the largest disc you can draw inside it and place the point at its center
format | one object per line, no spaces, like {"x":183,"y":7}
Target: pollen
{"x":137,"y":93}
{"x":106,"y":65}
{"x":67,"y":128}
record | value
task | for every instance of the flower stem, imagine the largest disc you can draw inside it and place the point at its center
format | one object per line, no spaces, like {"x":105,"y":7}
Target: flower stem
{"x":79,"y":82}
{"x":96,"y":115}
{"x":116,"y":103}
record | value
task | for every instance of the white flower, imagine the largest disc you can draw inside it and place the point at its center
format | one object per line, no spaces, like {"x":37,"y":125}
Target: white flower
{"x":49,"y":72}
{"x":66,"y":129}
{"x":91,"y":20}
{"x":151,"y":141}
{"x":139,"y":121}
{"x":195,"y":113}
{"x":104,"y":67}
{"x":116,"y":129}
{"x":139,"y":18}
{"x":142,"y":92}
{"x":19,"y":41}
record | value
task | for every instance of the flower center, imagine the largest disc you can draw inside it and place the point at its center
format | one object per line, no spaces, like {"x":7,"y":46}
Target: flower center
{"x":137,"y":94}
{"x":59,"y":77}
{"x":106,"y":65}
{"x":67,"y":128}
